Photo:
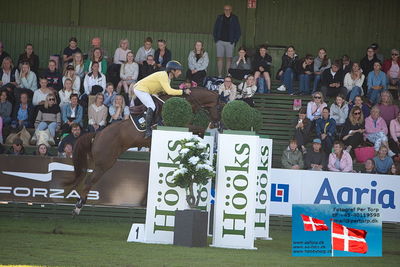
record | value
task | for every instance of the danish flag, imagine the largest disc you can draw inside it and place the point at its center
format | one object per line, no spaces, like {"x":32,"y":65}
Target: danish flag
{"x":312,"y":224}
{"x":348,"y":239}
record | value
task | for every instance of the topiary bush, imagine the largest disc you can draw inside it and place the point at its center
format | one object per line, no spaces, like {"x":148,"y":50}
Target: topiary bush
{"x":256,"y":119}
{"x":238,"y":115}
{"x":177,"y":112}
{"x":201,"y":119}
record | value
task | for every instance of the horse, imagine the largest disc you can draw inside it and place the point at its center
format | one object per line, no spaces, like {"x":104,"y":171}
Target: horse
{"x":103,"y":148}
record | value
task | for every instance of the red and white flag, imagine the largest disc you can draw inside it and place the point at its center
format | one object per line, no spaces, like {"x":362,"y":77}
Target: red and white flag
{"x":312,"y":224}
{"x":348,"y":239}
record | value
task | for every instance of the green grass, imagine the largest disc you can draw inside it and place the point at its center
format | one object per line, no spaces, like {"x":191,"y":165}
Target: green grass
{"x":91,"y":243}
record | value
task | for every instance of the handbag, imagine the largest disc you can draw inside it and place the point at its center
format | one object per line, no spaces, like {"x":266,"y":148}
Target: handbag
{"x":364,"y":153}
{"x":296,"y":104}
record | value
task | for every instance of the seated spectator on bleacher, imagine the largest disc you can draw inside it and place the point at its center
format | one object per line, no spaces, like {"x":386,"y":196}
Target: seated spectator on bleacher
{"x":78,"y":64}
{"x":340,"y":160}
{"x":376,"y":130}
{"x":71,"y":113}
{"x":321,"y":63}
{"x":71,"y":138}
{"x":392,"y":68}
{"x":383,"y":162}
{"x":339,"y":112}
{"x":3,"y":54}
{"x":96,"y":56}
{"x":66,"y":93}
{"x":395,"y":169}
{"x":354,"y":129}
{"x":246,"y":90}
{"x":353,"y":82}
{"x":76,"y":80}
{"x":67,"y":152}
{"x":121,"y":52}
{"x":292,"y":158}
{"x":95,"y":82}
{"x":197,"y":63}
{"x":394,"y":140}
{"x":240,"y":65}
{"x":386,"y":107}
{"x":316,"y":159}
{"x":49,"y":116}
{"x":302,"y":131}
{"x":39,"y":96}
{"x":367,"y":62}
{"x":358,"y":102}
{"x":315,"y":106}
{"x":23,"y":113}
{"x":304,"y":70}
{"x":346,"y":64}
{"x":42,"y":150}
{"x":26,"y":81}
{"x":8,"y":72}
{"x":54,"y":78}
{"x":97,"y":114}
{"x":70,"y":50}
{"x":162,"y":55}
{"x":369,"y":166}
{"x":377,"y":83}
{"x":148,"y":67}
{"x":145,"y":51}
{"x":262,"y":67}
{"x":109,"y":95}
{"x":96,"y":43}
{"x":118,"y":110}
{"x":332,"y":81}
{"x":227,"y":91}
{"x":30,"y":57}
{"x":375,"y":46}
{"x":286,"y":72}
{"x":5,"y":108}
{"x":326,"y":130}
{"x":17,"y":147}
{"x":129,"y":73}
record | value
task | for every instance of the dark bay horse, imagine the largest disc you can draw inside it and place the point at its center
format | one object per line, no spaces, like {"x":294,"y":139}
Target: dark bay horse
{"x":100,"y":150}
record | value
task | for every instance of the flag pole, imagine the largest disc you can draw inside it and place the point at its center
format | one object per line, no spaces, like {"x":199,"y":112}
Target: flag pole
{"x":331,"y":237}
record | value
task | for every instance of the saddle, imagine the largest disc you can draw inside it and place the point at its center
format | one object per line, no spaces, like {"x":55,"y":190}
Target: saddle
{"x":137,"y":113}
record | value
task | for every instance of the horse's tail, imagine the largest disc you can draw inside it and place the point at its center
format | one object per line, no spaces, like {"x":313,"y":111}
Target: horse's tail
{"x":82,"y":149}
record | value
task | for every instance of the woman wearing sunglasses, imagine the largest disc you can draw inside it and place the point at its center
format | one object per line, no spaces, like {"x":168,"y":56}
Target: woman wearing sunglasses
{"x":354,"y":128}
{"x":49,"y":116}
{"x":392,"y":69}
{"x":315,"y":106}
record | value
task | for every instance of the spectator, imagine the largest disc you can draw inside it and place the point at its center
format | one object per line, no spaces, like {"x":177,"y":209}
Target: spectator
{"x":302,"y":127}
{"x":78,"y":65}
{"x":354,"y":129}
{"x":321,"y":63}
{"x":67,"y":152}
{"x":394,"y":141}
{"x":188,"y":84}
{"x":315,"y":106}
{"x":383,"y":162}
{"x":7,"y":72}
{"x":66,"y":93}
{"x":376,"y":130}
{"x":26,"y":80}
{"x":367,"y":62}
{"x":197,"y":63}
{"x":30,"y":57}
{"x":145,"y":51}
{"x":148,"y":67}
{"x":246,"y":90}
{"x":23,"y":113}
{"x":71,"y":113}
{"x":316,"y":159}
{"x":358,"y":102}
{"x":375,"y":46}
{"x":96,"y":56}
{"x":118,"y":111}
{"x":5,"y":108}
{"x":392,"y":69}
{"x":96,"y":43}
{"x":97,"y":114}
{"x":332,"y":81}
{"x":227,"y":90}
{"x":226,"y":34}
{"x":346,"y":64}
{"x":340,"y":160}
{"x":286,"y":72}
{"x":49,"y":116}
{"x":76,"y":80}
{"x":369,"y":166}
{"x":94,"y":82}
{"x":129,"y":73}
{"x":377,"y":83}
{"x":304,"y":69}
{"x":70,"y":50}
{"x":17,"y":147}
{"x":70,"y":139}
{"x":292,"y":158}
{"x":395,"y":169}
{"x":121,"y":53}
{"x":3,"y":54}
{"x":326,"y":129}
{"x":241,"y":64}
{"x":353,"y":82}
{"x":39,"y":97}
{"x":162,"y":55}
{"x":386,"y":107}
{"x":262,"y":68}
{"x":339,"y":112}
{"x":42,"y":150}
{"x":109,"y":95}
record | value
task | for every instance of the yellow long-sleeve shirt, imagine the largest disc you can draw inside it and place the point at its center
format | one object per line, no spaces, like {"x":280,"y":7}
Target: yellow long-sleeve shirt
{"x":156,"y":83}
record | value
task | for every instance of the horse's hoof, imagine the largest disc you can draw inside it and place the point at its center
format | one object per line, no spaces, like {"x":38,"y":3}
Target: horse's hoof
{"x":75,"y":212}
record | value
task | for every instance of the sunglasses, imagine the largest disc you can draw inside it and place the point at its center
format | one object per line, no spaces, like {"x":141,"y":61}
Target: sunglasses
{"x":395,"y":54}
{"x":357,"y":113}
{"x":51,"y":99}
{"x":317,"y":97}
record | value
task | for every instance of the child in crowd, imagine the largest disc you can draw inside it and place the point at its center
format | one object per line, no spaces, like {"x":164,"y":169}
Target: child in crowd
{"x":383,"y":162}
{"x":188,"y":84}
{"x":292,"y":158}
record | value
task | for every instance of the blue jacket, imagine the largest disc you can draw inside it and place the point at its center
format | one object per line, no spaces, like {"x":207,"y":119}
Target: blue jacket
{"x":66,"y":113}
{"x":330,"y":127}
{"x":234,"y":28}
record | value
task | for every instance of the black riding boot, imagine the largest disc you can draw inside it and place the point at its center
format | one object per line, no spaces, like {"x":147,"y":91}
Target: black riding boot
{"x":149,"y":121}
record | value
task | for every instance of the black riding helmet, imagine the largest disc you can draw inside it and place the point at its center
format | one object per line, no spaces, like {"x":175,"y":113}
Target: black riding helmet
{"x":173,"y":65}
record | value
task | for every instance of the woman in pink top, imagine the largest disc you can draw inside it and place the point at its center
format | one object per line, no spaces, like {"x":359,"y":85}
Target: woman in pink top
{"x":386,"y":107}
{"x":394,"y":141}
{"x":340,"y":160}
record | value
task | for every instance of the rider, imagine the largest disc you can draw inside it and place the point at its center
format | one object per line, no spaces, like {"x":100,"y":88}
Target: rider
{"x":155,"y":83}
